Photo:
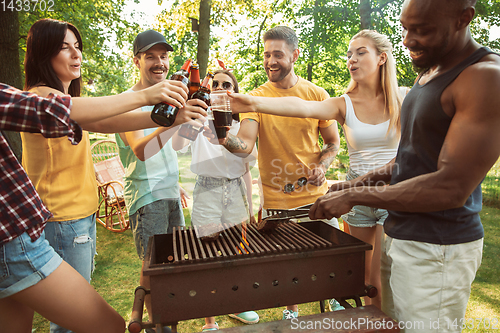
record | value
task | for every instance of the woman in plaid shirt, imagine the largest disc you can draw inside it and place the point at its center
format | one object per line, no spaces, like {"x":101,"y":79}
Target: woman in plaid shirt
{"x":62,"y":173}
{"x":32,"y":276}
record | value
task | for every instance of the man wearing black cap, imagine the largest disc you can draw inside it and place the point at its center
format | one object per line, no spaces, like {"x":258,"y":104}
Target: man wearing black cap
{"x":152,"y":173}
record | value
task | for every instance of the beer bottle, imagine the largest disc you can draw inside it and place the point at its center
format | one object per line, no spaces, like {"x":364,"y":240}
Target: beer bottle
{"x":194,"y":79}
{"x":206,"y":88}
{"x":164,"y":114}
{"x":203,"y":93}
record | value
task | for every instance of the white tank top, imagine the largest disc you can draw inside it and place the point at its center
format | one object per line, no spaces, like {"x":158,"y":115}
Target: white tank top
{"x":370,"y":146}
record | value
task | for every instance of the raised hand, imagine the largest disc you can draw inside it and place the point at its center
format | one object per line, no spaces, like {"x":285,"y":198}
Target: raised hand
{"x":332,"y":204}
{"x":241,"y":103}
{"x":168,"y":91}
{"x":194,"y":109}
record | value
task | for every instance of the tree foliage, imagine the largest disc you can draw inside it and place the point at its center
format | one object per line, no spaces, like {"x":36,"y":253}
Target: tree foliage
{"x":324,"y":28}
{"x":104,"y":70}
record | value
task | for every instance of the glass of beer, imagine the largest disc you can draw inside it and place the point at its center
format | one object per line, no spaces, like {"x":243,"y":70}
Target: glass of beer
{"x":221,"y":112}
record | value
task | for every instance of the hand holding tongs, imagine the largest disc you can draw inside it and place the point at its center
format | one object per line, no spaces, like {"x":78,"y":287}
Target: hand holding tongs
{"x":283,"y":214}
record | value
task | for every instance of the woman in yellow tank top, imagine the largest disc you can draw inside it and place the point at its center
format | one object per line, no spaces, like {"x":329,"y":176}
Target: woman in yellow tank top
{"x":63,"y":173}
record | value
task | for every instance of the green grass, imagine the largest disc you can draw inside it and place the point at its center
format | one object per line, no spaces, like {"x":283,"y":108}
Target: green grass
{"x":117,"y":266}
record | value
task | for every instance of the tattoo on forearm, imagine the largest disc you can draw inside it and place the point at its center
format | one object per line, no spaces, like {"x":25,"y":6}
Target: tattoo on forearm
{"x":328,"y":154}
{"x":235,"y":144}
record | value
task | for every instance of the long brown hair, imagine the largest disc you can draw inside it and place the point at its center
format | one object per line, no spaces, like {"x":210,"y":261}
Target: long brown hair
{"x":45,"y":39}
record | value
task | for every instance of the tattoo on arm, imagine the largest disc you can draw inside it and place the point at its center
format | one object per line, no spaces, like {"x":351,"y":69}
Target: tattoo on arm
{"x":328,"y":154}
{"x":235,"y":144}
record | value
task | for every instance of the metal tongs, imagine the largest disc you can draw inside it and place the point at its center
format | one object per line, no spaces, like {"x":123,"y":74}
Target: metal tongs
{"x":286,"y":214}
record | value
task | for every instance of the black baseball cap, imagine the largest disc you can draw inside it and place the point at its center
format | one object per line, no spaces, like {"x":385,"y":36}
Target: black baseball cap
{"x":147,"y":39}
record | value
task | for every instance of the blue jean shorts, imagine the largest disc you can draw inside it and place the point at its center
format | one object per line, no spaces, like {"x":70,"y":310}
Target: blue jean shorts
{"x":156,"y":218}
{"x":24,"y":263}
{"x":75,"y":242}
{"x":363,"y":216}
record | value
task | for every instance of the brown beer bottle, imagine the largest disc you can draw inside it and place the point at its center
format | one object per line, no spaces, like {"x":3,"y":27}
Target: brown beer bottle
{"x":164,"y":114}
{"x":203,"y":93}
{"x":206,"y":88}
{"x":194,"y":79}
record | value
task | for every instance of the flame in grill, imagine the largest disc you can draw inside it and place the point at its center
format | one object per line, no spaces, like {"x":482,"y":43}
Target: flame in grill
{"x":244,"y":239}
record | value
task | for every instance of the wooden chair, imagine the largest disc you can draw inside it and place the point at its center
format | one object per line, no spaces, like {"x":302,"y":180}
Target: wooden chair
{"x":112,"y":212}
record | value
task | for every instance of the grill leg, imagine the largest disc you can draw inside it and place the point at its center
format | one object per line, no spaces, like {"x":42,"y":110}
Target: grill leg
{"x":322,"y":306}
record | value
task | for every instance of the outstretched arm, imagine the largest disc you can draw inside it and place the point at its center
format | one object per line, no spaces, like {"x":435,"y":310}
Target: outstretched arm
{"x":243,"y":143}
{"x":289,"y":106}
{"x":140,"y":143}
{"x":87,"y":110}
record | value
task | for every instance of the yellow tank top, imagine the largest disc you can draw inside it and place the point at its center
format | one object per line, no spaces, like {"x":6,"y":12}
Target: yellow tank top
{"x":63,"y":175}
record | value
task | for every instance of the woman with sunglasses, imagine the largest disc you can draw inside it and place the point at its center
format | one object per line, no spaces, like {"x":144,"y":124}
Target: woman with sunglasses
{"x":63,"y":175}
{"x":223,"y":190}
{"x":369,"y":115}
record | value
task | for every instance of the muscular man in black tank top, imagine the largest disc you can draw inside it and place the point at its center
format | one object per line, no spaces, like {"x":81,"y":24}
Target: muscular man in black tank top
{"x":450,"y":138}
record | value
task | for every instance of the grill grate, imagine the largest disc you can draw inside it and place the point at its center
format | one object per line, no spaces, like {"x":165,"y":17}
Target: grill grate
{"x":289,"y":237}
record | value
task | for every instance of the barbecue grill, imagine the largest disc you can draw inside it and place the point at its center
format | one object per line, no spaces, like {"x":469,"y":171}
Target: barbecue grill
{"x":247,"y":270}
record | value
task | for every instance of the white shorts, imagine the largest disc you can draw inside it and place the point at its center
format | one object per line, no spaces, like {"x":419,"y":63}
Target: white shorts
{"x":426,"y":286}
{"x":218,"y":203}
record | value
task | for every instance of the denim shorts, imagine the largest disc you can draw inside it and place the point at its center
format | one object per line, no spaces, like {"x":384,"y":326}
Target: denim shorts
{"x":218,"y":203}
{"x":24,"y":263}
{"x":363,"y":216}
{"x":75,"y":242}
{"x":156,"y":218}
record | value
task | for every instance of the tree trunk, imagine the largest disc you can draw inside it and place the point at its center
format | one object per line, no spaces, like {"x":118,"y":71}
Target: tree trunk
{"x":204,"y":36}
{"x":312,"y":47}
{"x":258,"y":58}
{"x":10,"y":71}
{"x":365,"y":11}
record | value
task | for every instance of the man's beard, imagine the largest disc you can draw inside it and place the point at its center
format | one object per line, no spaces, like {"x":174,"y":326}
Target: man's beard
{"x":434,"y":59}
{"x":284,"y":73}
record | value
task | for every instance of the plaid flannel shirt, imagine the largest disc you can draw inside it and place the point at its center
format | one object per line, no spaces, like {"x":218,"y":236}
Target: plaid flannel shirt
{"x":21,"y":209}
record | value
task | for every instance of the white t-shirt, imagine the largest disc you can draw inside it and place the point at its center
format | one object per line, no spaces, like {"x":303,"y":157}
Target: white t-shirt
{"x":211,"y":160}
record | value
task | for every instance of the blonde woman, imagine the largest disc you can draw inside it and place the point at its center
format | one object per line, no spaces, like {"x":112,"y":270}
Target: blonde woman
{"x":369,"y":115}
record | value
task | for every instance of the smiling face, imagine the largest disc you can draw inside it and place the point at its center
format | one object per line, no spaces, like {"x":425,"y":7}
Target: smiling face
{"x":153,"y":64}
{"x":427,"y":31}
{"x":67,"y":63}
{"x":278,"y":59}
{"x":363,"y":61}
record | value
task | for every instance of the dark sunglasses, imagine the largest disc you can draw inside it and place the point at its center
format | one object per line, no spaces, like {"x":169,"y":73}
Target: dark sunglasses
{"x":225,"y":85}
{"x":289,"y":188}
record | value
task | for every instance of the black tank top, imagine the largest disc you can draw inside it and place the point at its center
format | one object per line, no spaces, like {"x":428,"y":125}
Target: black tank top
{"x":424,"y":125}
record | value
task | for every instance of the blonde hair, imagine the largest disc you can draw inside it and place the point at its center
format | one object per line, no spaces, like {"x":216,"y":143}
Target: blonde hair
{"x":388,"y":80}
